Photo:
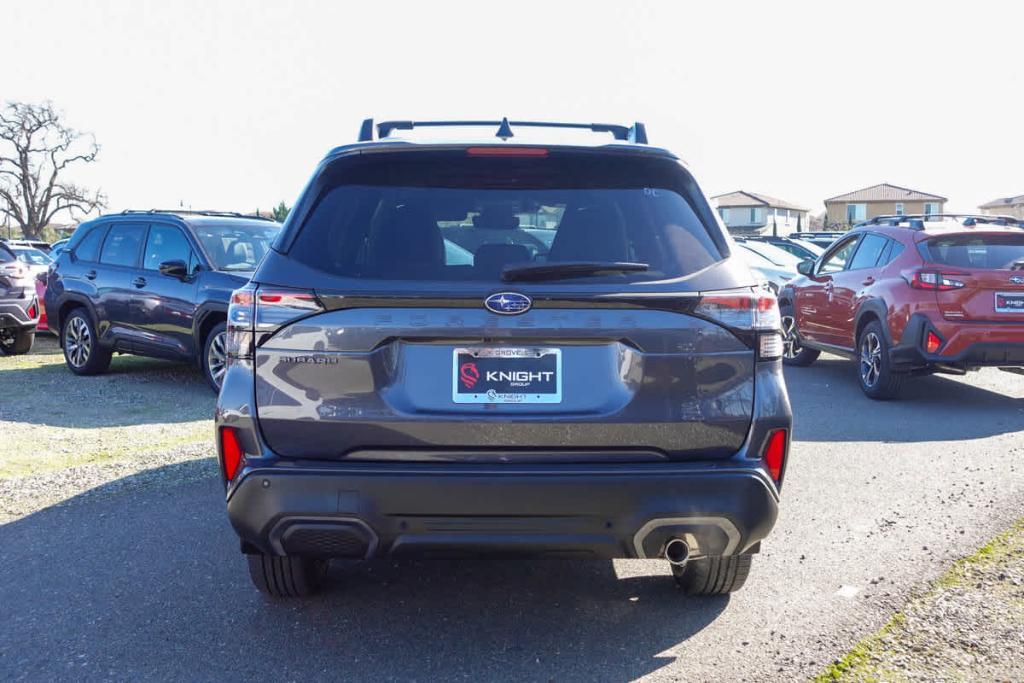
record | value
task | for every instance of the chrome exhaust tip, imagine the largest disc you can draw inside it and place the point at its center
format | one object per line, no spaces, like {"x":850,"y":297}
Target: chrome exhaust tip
{"x":677,"y":552}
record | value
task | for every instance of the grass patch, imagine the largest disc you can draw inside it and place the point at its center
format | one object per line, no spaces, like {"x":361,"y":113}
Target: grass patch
{"x":51,"y":419}
{"x":861,"y":663}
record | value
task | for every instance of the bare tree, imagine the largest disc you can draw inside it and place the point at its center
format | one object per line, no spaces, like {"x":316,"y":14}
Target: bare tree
{"x":36,"y":149}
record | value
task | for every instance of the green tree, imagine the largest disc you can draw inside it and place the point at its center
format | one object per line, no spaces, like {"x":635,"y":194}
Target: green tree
{"x":281,"y":212}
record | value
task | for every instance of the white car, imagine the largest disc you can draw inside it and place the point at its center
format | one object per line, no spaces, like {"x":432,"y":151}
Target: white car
{"x":35,"y":261}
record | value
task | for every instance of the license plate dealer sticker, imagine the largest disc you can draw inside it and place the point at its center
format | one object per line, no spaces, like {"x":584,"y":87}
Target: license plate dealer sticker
{"x":506,"y":375}
{"x":1009,"y":302}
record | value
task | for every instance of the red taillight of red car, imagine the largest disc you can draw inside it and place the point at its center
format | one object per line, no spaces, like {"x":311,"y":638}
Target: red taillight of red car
{"x":775,"y":454}
{"x":932,"y":342}
{"x":32,"y":311}
{"x":936,"y":281}
{"x":231,"y":452}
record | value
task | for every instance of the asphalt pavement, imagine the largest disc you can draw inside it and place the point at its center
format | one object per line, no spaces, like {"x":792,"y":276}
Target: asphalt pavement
{"x":879,"y":498}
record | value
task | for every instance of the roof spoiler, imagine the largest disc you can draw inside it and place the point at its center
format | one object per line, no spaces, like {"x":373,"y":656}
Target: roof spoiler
{"x":637,"y":133}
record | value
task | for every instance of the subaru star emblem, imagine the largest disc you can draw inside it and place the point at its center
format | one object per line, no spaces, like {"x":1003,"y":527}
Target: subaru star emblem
{"x":507,"y":303}
{"x":1017,"y":279}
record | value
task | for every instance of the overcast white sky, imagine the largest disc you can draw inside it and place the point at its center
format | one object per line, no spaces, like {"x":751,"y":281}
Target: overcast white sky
{"x":230,"y":104}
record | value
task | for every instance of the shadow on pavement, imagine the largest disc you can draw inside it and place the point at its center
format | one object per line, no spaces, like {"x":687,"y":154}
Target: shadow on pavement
{"x":828,"y":405}
{"x":151,"y":584}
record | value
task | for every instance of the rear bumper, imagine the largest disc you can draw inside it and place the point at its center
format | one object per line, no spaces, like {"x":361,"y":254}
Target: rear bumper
{"x":964,"y":344}
{"x":344,"y":510}
{"x":15,"y":313}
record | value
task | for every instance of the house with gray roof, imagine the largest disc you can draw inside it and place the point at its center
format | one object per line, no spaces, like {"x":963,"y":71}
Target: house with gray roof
{"x":753,"y":213}
{"x":1004,"y":206}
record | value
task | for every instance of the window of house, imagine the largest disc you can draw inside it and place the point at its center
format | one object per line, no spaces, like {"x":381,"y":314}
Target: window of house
{"x":756,"y":216}
{"x":899,"y":208}
{"x":856,"y":213}
{"x":931,"y":208}
{"x":724,"y":213}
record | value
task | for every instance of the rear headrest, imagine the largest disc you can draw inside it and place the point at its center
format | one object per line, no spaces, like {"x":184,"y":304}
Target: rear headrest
{"x":592,"y":233}
{"x":496,"y":220}
{"x":490,"y":259}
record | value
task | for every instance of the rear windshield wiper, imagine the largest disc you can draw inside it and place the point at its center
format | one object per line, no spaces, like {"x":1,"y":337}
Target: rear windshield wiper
{"x":569,"y":269}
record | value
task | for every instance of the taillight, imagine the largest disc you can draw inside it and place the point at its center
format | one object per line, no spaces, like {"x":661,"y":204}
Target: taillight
{"x":754,"y":311}
{"x":934,"y":280}
{"x":257,"y":312}
{"x":774,"y":456}
{"x":932,"y":342}
{"x":230,"y":452}
{"x":32,"y":311}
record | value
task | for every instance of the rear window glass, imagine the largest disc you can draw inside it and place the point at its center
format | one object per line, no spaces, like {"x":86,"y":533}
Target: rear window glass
{"x":997,"y":252}
{"x":451,"y":217}
{"x":235,"y":245}
{"x":5,"y":255}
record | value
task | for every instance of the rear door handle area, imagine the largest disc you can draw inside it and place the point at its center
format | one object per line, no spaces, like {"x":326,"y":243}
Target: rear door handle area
{"x":139,"y":282}
{"x":91,"y":275}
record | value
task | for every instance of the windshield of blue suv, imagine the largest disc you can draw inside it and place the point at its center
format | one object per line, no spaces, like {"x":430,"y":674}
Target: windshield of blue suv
{"x":235,"y":245}
{"x":470,"y":219}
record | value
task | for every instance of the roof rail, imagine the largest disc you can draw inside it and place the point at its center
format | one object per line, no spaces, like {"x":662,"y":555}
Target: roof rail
{"x":190,"y":212}
{"x":637,"y":133}
{"x":916,"y":221}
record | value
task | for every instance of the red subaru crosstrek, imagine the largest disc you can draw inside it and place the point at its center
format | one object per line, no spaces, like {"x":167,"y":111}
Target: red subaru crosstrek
{"x":912,"y":295}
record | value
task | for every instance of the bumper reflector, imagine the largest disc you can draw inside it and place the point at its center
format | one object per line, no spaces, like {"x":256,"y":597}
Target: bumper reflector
{"x":230,"y":451}
{"x":775,"y":454}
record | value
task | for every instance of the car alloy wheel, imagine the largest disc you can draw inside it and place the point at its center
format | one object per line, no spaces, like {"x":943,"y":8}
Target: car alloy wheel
{"x":216,"y":358}
{"x":77,"y":341}
{"x":870,"y":359}
{"x":790,"y":343}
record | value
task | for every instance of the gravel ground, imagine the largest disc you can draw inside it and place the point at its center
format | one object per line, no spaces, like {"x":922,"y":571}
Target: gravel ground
{"x":968,"y":627}
{"x":880,"y":498}
{"x":51,"y":419}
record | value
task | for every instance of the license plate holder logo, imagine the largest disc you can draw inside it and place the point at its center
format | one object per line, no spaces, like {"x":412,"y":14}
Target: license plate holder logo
{"x":507,"y":375}
{"x":1009,"y":302}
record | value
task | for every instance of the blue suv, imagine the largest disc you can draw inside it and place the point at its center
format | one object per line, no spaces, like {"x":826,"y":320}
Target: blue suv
{"x":152,"y":283}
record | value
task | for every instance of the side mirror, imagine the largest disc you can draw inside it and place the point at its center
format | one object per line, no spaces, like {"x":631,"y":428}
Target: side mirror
{"x":176,"y":268}
{"x":805,"y":267}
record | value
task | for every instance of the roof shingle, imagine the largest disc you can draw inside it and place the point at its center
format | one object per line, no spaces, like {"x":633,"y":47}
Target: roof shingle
{"x":742,"y":198}
{"x":1003,"y":202}
{"x":885,"y":192}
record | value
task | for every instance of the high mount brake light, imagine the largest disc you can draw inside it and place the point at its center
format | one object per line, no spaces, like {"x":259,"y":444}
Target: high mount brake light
{"x":774,"y":456}
{"x":935,"y":281}
{"x":257,"y":312}
{"x":507,"y":152}
{"x":755,"y":311}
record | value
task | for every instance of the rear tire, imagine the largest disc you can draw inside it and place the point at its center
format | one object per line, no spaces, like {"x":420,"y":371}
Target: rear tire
{"x":792,"y":352}
{"x":874,"y":369}
{"x":716,"y":575}
{"x":82,"y":351}
{"x":215,"y":356}
{"x":286,"y":577}
{"x":16,"y":342}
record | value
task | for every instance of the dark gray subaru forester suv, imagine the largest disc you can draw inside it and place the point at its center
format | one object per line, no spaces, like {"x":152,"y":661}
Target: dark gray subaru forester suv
{"x":493,"y":348}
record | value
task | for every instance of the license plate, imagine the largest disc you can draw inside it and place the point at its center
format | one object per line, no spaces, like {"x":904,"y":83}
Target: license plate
{"x":505,"y":375}
{"x":1009,"y":302}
